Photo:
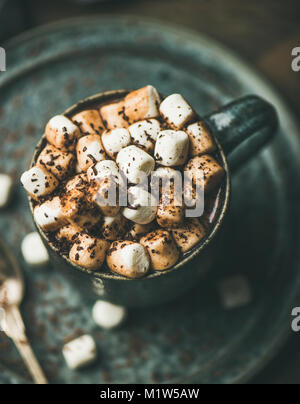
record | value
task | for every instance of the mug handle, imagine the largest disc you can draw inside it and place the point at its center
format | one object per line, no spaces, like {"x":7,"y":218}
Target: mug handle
{"x":243,"y":127}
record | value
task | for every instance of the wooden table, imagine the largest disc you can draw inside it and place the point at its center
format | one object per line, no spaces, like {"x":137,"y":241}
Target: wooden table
{"x":262,"y":32}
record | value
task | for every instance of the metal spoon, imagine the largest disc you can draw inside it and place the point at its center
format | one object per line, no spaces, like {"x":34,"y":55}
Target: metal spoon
{"x":11,"y":296}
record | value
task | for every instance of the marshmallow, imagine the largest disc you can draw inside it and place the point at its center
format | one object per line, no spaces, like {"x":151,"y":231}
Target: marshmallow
{"x":115,"y":140}
{"x":164,"y":179}
{"x":113,"y":115}
{"x":176,"y":111}
{"x":144,"y":134}
{"x":103,"y":192}
{"x":135,"y":164}
{"x":6,"y":186}
{"x":79,"y":182}
{"x":113,"y":227}
{"x":108,"y":315}
{"x":189,"y":234}
{"x":138,"y":230}
{"x":201,"y":141}
{"x":170,"y":212}
{"x":77,"y":211}
{"x":49,"y":216}
{"x":161,"y":249}
{"x":142,"y":104}
{"x":105,"y":169}
{"x":89,"y":122}
{"x":39,"y":182}
{"x":128,"y":258}
{"x":171,"y":148}
{"x":88,"y":252}
{"x":62,"y":133}
{"x":207,"y":167}
{"x":89,"y":151}
{"x":142,"y":206}
{"x":68,"y":232}
{"x":235,"y":292}
{"x":80,"y":352}
{"x":33,"y":250}
{"x":61,"y":164}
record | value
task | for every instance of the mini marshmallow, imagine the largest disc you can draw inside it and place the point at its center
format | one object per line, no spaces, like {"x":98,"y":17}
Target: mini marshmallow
{"x":89,"y":151}
{"x":79,"y":182}
{"x":135,"y":164}
{"x":34,"y":251}
{"x":6,"y":186}
{"x":144,"y":134}
{"x":80,"y":352}
{"x":235,"y":292}
{"x":39,"y":182}
{"x":103,"y":192}
{"x":176,"y":111}
{"x":161,"y":249}
{"x":88,"y":252}
{"x":108,"y":315}
{"x":171,"y":148}
{"x":61,"y":164}
{"x":68,"y":232}
{"x":138,"y":230}
{"x":142,"y":206}
{"x":170,"y":212}
{"x":89,"y":122}
{"x":113,"y":227}
{"x":105,"y":169}
{"x":189,"y":234}
{"x":62,"y":133}
{"x":49,"y":216}
{"x":115,"y":140}
{"x":128,"y":258}
{"x":201,"y":141}
{"x":164,"y":179}
{"x":77,"y":211}
{"x":142,"y":104}
{"x":113,"y":115}
{"x":207,"y":167}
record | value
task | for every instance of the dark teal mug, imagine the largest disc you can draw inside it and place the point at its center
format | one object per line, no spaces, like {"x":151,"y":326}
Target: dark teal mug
{"x":240,"y":129}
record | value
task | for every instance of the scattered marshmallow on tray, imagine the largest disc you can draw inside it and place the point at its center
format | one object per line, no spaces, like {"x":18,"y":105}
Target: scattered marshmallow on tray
{"x":80,"y":352}
{"x":6,"y":185}
{"x":34,"y":251}
{"x":108,"y":315}
{"x":176,"y":111}
{"x":235,"y":292}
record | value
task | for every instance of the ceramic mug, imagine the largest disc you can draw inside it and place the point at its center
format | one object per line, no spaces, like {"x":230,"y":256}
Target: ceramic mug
{"x":239,"y":129}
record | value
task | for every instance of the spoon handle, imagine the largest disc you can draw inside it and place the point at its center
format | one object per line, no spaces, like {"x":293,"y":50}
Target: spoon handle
{"x":15,"y":329}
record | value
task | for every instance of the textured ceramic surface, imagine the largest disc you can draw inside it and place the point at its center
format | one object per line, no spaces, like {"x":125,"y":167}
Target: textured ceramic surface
{"x":193,"y":339}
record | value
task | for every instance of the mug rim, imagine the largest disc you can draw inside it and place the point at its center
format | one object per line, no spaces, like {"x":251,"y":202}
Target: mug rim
{"x":104,"y":96}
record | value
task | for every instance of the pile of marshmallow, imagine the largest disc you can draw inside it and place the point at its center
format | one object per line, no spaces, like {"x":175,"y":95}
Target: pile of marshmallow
{"x":94,"y":149}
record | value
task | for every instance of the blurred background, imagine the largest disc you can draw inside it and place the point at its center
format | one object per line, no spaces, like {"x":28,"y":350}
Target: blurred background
{"x":262,"y":32}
